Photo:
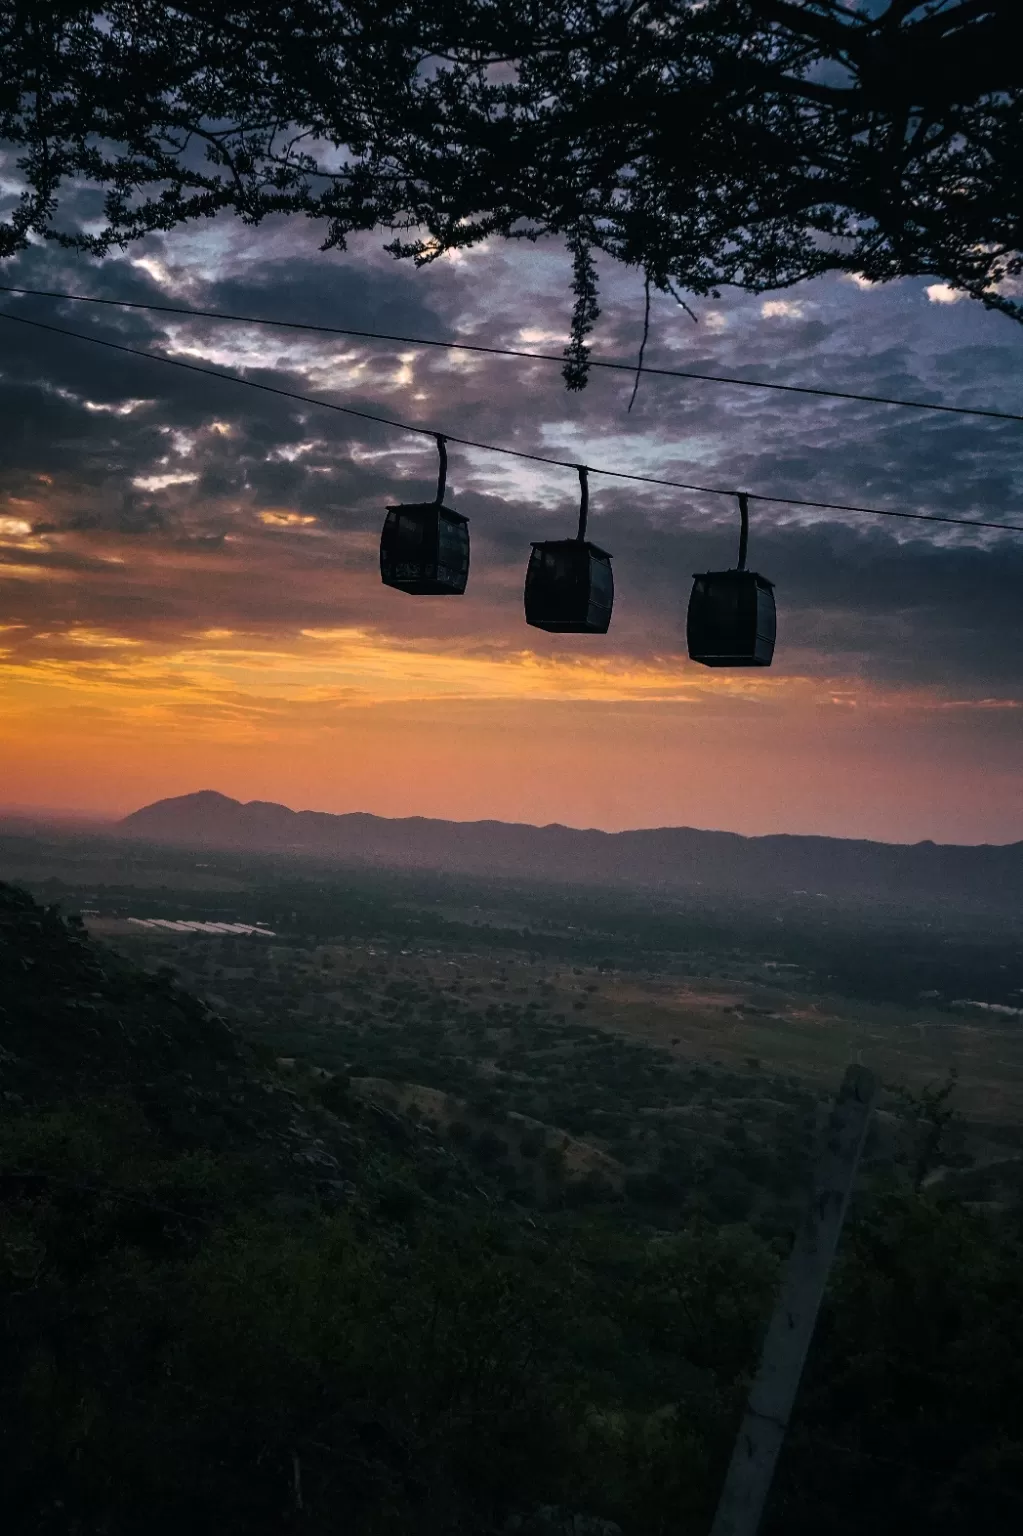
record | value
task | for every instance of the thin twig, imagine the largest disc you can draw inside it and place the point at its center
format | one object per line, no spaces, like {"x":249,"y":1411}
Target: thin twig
{"x":694,"y":317}
{"x":646,"y":333}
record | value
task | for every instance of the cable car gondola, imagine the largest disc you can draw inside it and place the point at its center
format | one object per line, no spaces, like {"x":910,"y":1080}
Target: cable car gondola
{"x":569,"y":586}
{"x":732,"y":620}
{"x":424,"y":547}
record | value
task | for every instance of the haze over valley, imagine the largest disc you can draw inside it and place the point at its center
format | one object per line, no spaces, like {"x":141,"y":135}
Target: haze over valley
{"x":663,"y":858}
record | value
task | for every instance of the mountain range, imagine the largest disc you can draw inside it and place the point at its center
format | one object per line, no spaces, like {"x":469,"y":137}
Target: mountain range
{"x":665,"y":859}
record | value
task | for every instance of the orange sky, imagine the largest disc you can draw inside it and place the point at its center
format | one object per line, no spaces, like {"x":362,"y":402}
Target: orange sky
{"x":190,"y":597}
{"x":517,"y":727}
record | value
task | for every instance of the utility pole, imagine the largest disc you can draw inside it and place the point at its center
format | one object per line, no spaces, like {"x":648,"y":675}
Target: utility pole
{"x":791,"y":1328}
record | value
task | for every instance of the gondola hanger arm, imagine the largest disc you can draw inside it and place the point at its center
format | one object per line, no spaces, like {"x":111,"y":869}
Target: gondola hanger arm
{"x":584,"y":499}
{"x":442,"y":469}
{"x":743,"y":528}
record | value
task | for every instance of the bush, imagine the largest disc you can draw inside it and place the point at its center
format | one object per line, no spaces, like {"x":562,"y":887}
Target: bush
{"x":489,"y":1147}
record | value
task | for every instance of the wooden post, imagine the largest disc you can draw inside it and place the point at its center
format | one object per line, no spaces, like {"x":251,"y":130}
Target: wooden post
{"x":791,"y":1328}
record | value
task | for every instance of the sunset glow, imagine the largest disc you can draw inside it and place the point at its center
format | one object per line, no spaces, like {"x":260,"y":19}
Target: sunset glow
{"x":190,"y":598}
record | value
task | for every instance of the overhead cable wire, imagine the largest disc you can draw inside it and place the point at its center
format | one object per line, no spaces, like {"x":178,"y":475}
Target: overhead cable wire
{"x":541,"y":357}
{"x":516,"y":453}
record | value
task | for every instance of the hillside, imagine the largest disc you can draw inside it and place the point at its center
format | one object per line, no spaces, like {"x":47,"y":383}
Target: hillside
{"x":146,"y":1074}
{"x":238,"y":1294}
{"x":661,"y":858}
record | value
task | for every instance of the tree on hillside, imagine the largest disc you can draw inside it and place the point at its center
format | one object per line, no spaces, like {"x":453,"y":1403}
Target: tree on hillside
{"x":752,"y":143}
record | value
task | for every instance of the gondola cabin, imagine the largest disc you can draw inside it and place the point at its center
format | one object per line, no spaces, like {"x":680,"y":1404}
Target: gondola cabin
{"x":569,"y":588}
{"x":424,"y":549}
{"x":731,"y":620}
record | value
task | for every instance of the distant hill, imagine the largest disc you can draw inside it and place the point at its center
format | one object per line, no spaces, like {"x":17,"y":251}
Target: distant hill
{"x":661,"y":858}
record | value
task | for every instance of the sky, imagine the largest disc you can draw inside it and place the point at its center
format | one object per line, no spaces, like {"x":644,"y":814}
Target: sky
{"x":189,"y":584}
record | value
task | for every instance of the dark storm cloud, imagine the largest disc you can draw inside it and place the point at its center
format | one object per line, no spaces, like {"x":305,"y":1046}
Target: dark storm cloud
{"x":895,"y":603}
{"x":318,"y":292}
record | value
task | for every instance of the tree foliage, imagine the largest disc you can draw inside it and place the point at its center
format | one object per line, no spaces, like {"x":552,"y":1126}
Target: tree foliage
{"x":705,"y":142}
{"x":198,"y":1333}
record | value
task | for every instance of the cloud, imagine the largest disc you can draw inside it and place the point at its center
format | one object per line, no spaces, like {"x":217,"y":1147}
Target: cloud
{"x":279,"y":519}
{"x":14,"y":528}
{"x":941,"y":293}
{"x":782,"y":309}
{"x":207,"y":509}
{"x":162,"y":481}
